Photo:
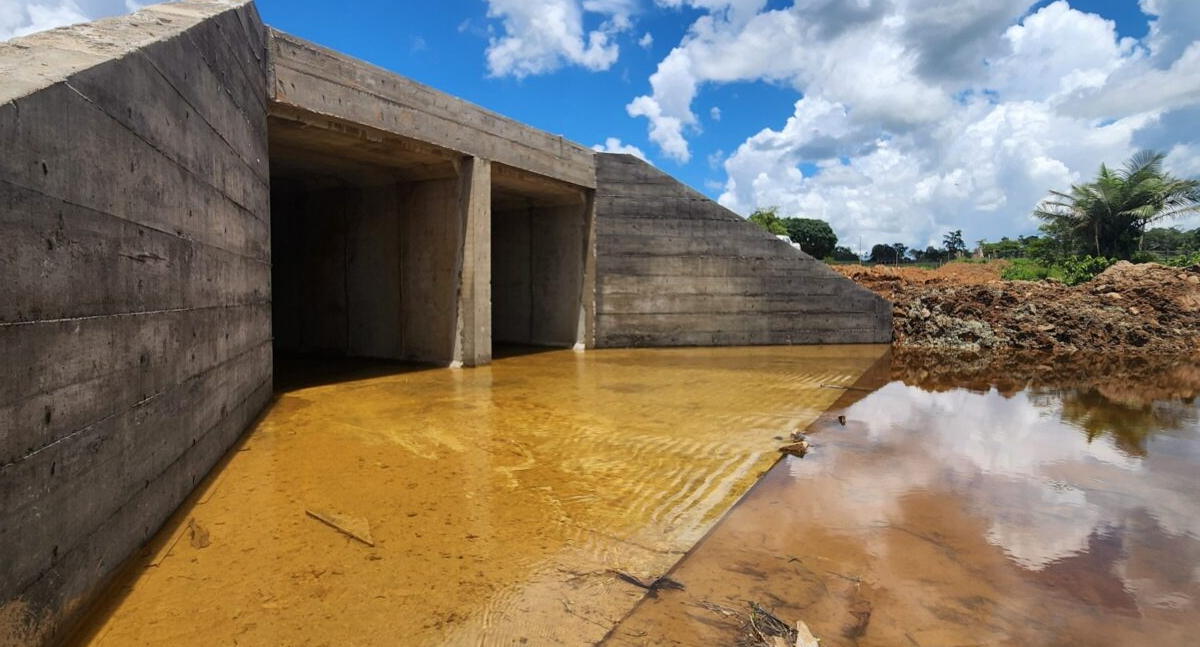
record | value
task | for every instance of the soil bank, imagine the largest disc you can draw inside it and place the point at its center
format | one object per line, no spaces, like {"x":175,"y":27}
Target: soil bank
{"x":1145,"y":308}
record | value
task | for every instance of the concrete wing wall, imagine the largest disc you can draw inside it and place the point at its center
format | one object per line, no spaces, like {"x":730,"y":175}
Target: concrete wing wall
{"x":134,"y":301}
{"x":673,"y":268}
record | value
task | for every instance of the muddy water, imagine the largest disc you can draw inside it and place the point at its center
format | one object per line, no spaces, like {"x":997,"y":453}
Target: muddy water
{"x":500,"y":500}
{"x":1006,"y":502}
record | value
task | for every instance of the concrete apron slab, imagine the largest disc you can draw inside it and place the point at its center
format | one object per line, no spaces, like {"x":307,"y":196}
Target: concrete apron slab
{"x":503,"y":502}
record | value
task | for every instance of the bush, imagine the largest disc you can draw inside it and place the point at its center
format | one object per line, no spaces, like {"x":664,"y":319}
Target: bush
{"x":1024,"y":269}
{"x":769,"y":220}
{"x":1081,"y":269}
{"x":1186,"y":260}
{"x":815,"y":237}
{"x":1072,"y":270}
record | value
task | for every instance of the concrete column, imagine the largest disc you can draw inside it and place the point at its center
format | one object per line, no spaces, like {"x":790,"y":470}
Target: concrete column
{"x":474,"y":339}
{"x":586,"y":330}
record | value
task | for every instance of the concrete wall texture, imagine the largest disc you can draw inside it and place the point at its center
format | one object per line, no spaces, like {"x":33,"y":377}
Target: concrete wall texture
{"x":676,"y":269}
{"x":184,"y":191}
{"x":366,"y":271}
{"x":135,"y":324}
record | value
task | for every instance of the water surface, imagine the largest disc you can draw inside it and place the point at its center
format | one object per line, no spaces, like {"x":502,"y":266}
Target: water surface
{"x":504,"y":502}
{"x":998,"y":501}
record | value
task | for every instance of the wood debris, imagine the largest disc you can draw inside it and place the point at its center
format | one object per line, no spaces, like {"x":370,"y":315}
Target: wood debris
{"x":353,"y":527}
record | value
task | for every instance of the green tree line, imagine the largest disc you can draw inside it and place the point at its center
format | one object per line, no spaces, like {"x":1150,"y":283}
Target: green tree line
{"x":815,"y":237}
{"x":1090,"y":225}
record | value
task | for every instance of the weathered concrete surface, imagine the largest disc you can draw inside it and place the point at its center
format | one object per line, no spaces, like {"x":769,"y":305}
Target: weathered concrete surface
{"x":324,"y":82}
{"x":676,"y":269}
{"x":134,"y":309}
{"x":336,"y":269}
{"x":474,"y":347}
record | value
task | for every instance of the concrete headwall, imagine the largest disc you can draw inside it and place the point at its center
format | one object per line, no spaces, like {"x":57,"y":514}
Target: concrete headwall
{"x":674,"y":268}
{"x":134,"y":306}
{"x":320,"y":81}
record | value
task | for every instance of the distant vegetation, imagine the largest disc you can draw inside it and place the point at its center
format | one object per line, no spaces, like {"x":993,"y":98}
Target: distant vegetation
{"x":952,"y":247}
{"x":1092,"y":226}
{"x":1108,"y":216}
{"x":815,"y":237}
{"x":1084,"y":230}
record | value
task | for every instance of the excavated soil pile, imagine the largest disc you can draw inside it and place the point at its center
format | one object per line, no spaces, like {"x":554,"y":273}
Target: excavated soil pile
{"x":1127,"y":308}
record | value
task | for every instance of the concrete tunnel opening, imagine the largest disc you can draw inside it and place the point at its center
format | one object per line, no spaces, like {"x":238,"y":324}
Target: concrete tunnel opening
{"x":538,"y":240}
{"x":363,"y":239}
{"x":368,"y":243}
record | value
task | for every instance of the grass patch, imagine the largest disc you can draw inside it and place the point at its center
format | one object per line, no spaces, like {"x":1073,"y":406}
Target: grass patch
{"x":1027,"y":269}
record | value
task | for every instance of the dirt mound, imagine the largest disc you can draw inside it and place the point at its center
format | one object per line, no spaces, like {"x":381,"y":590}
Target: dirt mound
{"x":881,"y":276}
{"x":1128,"y":308}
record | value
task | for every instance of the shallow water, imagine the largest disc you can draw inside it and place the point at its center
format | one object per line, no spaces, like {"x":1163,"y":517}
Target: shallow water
{"x":1012,"y":501}
{"x":500,"y":500}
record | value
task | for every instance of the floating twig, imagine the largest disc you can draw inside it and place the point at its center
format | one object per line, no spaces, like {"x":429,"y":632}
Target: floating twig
{"x":353,"y":527}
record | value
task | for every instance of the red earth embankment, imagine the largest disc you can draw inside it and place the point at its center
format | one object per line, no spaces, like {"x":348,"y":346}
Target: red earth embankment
{"x":1128,"y":308}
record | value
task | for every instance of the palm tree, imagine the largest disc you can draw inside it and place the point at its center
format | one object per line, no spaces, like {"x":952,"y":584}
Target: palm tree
{"x":1114,"y":210}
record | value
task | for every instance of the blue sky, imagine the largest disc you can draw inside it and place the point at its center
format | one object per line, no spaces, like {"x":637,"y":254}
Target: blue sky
{"x":896,"y":120}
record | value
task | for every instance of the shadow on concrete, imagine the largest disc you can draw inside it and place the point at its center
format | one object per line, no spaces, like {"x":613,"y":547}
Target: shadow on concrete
{"x":502,"y":351}
{"x":294,"y":372}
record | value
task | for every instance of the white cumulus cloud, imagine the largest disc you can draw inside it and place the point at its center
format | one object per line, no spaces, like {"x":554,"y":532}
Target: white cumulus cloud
{"x":24,"y":17}
{"x":540,"y":36}
{"x":20,"y":18}
{"x":614,"y":145}
{"x":917,"y":117}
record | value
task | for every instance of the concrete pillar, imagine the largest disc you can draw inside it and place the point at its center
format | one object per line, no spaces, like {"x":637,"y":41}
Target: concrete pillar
{"x":586,"y":330}
{"x":474,"y":339}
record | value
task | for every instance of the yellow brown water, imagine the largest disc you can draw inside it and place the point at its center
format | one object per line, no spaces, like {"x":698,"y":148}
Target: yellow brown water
{"x":1011,"y":501}
{"x":501,"y":501}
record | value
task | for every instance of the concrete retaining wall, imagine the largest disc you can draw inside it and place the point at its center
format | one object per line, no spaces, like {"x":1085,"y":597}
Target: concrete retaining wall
{"x":134,"y":307}
{"x":674,"y":268}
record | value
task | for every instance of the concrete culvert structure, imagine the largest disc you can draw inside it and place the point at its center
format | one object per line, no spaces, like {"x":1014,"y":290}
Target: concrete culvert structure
{"x":185,"y":193}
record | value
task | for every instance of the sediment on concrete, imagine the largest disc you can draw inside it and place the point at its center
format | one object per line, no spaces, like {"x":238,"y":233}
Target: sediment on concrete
{"x":134,"y":315}
{"x":674,"y":268}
